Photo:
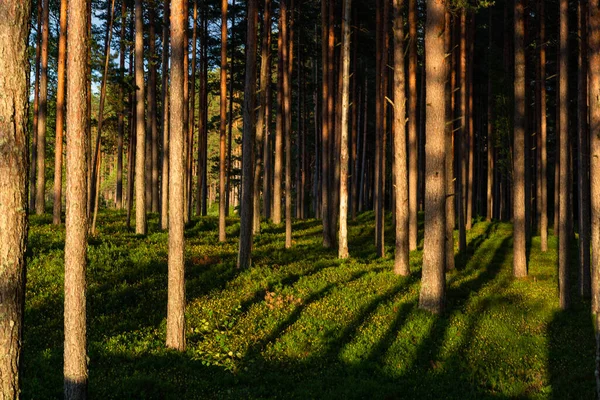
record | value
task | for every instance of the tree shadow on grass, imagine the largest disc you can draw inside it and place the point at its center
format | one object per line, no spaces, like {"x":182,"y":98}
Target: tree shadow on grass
{"x":571,"y":340}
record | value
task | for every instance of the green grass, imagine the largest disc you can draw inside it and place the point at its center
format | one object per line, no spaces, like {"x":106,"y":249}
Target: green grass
{"x":302,"y":324}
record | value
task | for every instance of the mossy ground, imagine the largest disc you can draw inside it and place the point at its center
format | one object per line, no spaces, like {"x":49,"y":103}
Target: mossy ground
{"x":302,"y":324}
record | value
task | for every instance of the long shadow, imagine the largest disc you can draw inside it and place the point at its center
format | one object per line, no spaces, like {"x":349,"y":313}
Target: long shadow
{"x":571,"y":340}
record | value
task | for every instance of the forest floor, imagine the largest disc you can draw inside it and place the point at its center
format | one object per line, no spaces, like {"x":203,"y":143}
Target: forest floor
{"x":302,"y":324}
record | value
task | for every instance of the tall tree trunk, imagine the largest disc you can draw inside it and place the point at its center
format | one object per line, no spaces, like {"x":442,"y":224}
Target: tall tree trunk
{"x":223,"y":124}
{"x":490,"y":139}
{"x":594,"y":115}
{"x":13,"y":189}
{"x":93,"y":201}
{"x":401,"y":257}
{"x":60,"y":114}
{"x":191,"y":117}
{"x":583,"y":157}
{"x":413,"y":166}
{"x":40,"y":191}
{"x":469,"y":121}
{"x":563,"y":131}
{"x":345,"y":56}
{"x":433,"y":286}
{"x":543,"y":134}
{"x":248,"y":140}
{"x":176,"y":287}
{"x":325,"y":134}
{"x":288,"y":59}
{"x":279,"y":128}
{"x":164,"y":209}
{"x":519,"y":256}
{"x":152,"y":113}
{"x":76,"y":222}
{"x":230,"y":113}
{"x":448,"y":137}
{"x":121,"y":117}
{"x":461,"y":159}
{"x":140,"y":159}
{"x":265,"y":80}
{"x":131,"y":151}
{"x":36,"y":107}
{"x":186,"y":104}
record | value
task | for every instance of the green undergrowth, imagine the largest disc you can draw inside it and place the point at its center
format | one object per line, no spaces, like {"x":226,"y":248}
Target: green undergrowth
{"x":302,"y":324}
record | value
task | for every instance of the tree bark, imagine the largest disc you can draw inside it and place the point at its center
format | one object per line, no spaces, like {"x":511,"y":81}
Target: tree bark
{"x":343,"y":233}
{"x":121,"y":117}
{"x":60,"y":114}
{"x":433,"y":281}
{"x":288,"y":59}
{"x":279,"y":128}
{"x":325,"y":125}
{"x":448,"y":137}
{"x":76,"y":222}
{"x":401,"y":258}
{"x":36,"y":107}
{"x":461,"y":159}
{"x":164,"y":209}
{"x":176,"y":285}
{"x":265,"y":79}
{"x":519,"y":238}
{"x":248,"y":140}
{"x":583,"y":156}
{"x":140,"y":158}
{"x":13,"y":190}
{"x":594,"y":115}
{"x":413,"y":165}
{"x":490,"y":140}
{"x":563,"y":131}
{"x":223,"y":124}
{"x":543,"y":134}
{"x":228,"y":188}
{"x":152,"y":107}
{"x":40,"y":191}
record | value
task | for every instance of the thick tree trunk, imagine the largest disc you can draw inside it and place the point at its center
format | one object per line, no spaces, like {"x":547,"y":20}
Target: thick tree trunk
{"x":76,"y":223}
{"x":413,"y":166}
{"x":248,"y":140}
{"x":40,"y":190}
{"x":519,"y":238}
{"x":345,"y":55}
{"x":164,"y":209}
{"x":223,"y":123}
{"x":594,"y":115}
{"x":583,"y":157}
{"x":563,"y":131}
{"x":401,"y":256}
{"x":60,"y":114}
{"x":13,"y":190}
{"x":176,"y":286}
{"x":433,"y":281}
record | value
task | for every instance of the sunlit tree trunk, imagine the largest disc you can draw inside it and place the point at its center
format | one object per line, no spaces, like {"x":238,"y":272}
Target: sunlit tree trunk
{"x":60,"y":114}
{"x":13,"y":190}
{"x":176,"y":285}
{"x":345,"y":55}
{"x":288,"y":59}
{"x":401,"y":258}
{"x":152,"y":111}
{"x":543,"y":134}
{"x":121,"y":117}
{"x":433,"y":281}
{"x":448,"y":137}
{"x":76,"y":223}
{"x":519,"y":256}
{"x":325,"y":126}
{"x":36,"y":103}
{"x":140,"y":158}
{"x":280,"y":121}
